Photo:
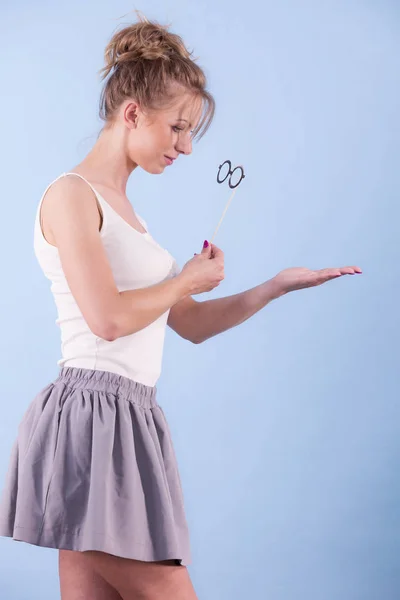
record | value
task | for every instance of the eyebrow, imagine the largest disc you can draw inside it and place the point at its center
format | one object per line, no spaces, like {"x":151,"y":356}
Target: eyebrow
{"x":185,"y":121}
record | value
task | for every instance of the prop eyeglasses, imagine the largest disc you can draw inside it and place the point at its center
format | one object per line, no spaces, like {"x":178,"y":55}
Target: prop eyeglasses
{"x":234,"y":181}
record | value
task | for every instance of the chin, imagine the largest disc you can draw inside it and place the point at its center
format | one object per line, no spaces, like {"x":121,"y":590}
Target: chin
{"x":154,"y":169}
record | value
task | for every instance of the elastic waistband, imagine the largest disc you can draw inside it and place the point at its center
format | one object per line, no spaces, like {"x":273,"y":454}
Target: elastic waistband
{"x":109,"y":382}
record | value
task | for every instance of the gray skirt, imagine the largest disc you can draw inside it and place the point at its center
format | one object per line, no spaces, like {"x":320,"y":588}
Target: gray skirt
{"x":93,"y":467}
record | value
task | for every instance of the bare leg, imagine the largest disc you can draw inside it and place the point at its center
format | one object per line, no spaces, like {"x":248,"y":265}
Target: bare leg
{"x":140,"y":580}
{"x":79,"y":581}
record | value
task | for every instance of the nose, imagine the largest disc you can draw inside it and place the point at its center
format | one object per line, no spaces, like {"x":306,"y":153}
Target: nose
{"x":184,"y":146}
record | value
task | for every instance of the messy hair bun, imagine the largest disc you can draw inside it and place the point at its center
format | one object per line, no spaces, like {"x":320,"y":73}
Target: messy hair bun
{"x":145,"y":61}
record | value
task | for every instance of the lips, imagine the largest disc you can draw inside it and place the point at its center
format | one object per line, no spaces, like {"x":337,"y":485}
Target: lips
{"x":169,"y":159}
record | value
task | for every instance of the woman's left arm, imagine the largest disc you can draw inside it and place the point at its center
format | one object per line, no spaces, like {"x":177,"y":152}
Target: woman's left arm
{"x":199,"y":321}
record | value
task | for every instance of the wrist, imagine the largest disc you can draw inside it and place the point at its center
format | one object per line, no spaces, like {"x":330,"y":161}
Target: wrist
{"x":277,"y":287}
{"x":183,"y":285}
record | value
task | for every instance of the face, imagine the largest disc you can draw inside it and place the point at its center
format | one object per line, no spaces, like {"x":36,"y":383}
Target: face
{"x":166,"y":133}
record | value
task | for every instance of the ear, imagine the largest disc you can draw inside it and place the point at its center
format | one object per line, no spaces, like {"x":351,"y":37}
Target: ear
{"x":130,"y":114}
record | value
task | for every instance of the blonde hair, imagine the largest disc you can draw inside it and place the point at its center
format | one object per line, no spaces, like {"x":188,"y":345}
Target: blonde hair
{"x":146,"y":62}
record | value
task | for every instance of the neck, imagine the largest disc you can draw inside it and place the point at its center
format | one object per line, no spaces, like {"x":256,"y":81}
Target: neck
{"x":108,"y":161}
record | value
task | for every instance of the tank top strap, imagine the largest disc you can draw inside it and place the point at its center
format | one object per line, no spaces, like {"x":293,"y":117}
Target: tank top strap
{"x":105,"y":207}
{"x":82,"y":177}
{"x":46,"y":190}
{"x":102,"y":206}
{"x":38,"y":230}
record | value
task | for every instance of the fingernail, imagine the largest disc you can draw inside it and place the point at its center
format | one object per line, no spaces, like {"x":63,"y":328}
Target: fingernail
{"x":205,"y":245}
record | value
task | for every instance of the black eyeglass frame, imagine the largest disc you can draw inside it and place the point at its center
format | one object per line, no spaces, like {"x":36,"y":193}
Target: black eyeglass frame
{"x":230,"y":173}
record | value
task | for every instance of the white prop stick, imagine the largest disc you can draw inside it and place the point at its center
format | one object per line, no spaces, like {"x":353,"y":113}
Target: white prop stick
{"x":223,"y":214}
{"x":230,"y":173}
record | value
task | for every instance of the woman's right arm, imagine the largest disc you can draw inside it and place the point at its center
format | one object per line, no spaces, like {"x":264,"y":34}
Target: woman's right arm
{"x":71,"y":216}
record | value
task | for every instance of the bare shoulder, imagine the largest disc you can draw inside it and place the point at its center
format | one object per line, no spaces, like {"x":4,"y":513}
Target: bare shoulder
{"x":69,"y":201}
{"x":71,"y":224}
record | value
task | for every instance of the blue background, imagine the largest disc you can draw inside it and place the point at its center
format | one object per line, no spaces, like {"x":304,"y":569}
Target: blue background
{"x":286,"y":427}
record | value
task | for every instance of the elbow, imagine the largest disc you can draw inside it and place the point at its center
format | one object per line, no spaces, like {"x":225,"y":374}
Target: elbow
{"x":106,"y":330}
{"x":110,"y":335}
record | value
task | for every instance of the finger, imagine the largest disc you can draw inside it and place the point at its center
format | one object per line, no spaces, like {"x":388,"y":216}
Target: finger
{"x":325,"y":275}
{"x":217,"y":252}
{"x":350,"y":270}
{"x":329,"y":273}
{"x":337,"y":272}
{"x":206,"y":248}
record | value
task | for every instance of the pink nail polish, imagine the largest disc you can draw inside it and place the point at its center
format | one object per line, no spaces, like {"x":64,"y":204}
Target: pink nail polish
{"x":205,"y":245}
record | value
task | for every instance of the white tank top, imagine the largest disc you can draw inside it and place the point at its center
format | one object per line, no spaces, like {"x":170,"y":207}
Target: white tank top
{"x":137,"y":261}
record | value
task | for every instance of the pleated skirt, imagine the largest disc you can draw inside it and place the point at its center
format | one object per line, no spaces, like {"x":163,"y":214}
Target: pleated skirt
{"x":93,"y":467}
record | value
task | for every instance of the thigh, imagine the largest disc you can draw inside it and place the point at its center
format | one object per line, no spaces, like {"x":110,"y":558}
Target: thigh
{"x":140,"y":580}
{"x":80,"y":581}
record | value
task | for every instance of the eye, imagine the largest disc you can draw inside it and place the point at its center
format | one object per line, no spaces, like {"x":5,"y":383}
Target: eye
{"x":176,"y":128}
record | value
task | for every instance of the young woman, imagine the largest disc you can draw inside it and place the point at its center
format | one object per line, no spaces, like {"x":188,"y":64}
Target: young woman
{"x":93,"y":471}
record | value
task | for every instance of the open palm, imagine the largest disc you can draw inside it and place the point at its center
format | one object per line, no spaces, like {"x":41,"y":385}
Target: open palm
{"x":297,"y":278}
